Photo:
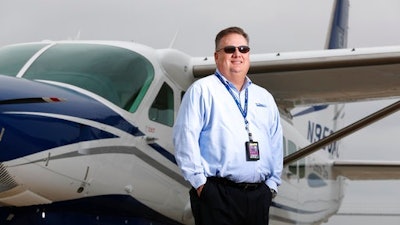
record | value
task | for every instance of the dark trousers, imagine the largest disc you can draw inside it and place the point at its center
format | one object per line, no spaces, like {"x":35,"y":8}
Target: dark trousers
{"x":222,"y":203}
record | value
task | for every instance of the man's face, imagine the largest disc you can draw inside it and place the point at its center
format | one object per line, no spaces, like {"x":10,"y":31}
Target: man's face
{"x":232,"y":64}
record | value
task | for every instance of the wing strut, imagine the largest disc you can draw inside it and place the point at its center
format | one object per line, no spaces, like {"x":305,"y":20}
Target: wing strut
{"x":342,"y":133}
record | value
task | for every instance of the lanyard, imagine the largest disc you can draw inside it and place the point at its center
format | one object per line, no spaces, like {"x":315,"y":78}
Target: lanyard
{"x":242,"y":110}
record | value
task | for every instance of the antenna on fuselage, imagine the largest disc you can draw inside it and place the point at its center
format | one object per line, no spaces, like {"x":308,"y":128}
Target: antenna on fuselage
{"x":77,"y":36}
{"x":173,"y":39}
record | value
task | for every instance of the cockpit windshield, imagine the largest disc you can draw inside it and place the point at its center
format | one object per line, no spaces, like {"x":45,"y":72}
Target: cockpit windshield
{"x":14,"y":57}
{"x":119,"y":75}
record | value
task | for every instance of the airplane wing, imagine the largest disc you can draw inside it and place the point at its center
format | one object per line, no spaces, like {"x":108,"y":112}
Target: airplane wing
{"x":321,"y":77}
{"x":367,"y":170}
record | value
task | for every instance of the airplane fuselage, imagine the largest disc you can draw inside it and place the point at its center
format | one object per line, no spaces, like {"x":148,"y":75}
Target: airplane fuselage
{"x":86,"y":126}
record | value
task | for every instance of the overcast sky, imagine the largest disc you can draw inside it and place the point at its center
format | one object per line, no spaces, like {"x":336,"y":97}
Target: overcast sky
{"x":191,"y":25}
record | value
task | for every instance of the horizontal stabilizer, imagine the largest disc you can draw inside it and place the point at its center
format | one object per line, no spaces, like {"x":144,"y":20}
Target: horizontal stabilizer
{"x":367,"y":170}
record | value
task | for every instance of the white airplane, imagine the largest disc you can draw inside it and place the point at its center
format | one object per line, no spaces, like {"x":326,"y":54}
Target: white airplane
{"x":86,"y":128}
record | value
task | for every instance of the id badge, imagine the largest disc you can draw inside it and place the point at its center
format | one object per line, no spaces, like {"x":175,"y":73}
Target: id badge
{"x":252,"y":151}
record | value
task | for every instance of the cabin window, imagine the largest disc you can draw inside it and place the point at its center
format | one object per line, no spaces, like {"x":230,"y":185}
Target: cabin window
{"x":298,"y":168}
{"x":302,"y":167}
{"x":116,"y":74}
{"x":315,"y":181}
{"x":284,"y":147}
{"x":291,"y":149}
{"x":13,"y":58}
{"x":162,"y":109}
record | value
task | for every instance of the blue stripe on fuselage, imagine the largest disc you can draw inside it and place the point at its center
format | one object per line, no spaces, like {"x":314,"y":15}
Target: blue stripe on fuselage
{"x":25,"y":133}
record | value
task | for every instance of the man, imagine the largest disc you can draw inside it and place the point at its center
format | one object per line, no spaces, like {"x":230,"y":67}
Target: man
{"x":228,"y":140}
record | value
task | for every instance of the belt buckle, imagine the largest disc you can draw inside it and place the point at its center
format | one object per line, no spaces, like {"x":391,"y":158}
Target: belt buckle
{"x":250,"y":186}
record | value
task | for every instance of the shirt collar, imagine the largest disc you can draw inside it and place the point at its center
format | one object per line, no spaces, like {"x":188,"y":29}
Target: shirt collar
{"x":246,"y":84}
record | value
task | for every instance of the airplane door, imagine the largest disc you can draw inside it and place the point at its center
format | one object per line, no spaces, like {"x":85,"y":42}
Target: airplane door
{"x":158,"y":116}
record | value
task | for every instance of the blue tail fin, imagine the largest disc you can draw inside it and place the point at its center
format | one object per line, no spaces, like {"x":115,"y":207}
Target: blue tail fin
{"x":339,"y":25}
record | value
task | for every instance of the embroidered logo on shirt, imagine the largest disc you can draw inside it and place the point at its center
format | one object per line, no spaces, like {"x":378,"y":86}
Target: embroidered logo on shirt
{"x":260,"y":105}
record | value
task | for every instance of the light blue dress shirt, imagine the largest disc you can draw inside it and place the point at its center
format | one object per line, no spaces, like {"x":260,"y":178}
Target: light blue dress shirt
{"x":210,"y":134}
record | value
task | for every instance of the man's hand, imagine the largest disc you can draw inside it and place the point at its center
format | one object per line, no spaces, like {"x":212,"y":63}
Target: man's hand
{"x":199,"y":190}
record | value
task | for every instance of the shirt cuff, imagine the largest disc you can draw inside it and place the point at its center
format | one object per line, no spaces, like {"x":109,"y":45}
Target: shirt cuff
{"x":197,"y":180}
{"x":272,"y":185}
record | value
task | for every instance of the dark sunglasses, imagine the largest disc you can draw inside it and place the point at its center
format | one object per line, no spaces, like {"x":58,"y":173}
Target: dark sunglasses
{"x":231,"y":49}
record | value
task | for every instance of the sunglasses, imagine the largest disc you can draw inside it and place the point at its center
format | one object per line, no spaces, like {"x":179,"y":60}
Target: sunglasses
{"x":231,"y":49}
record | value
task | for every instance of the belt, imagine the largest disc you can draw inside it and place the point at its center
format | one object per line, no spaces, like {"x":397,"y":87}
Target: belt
{"x":242,"y":186}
